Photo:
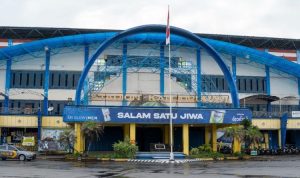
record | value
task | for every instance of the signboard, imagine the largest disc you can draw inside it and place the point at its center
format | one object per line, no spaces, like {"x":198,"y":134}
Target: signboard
{"x":28,"y":141}
{"x":296,"y":114}
{"x":155,"y":98}
{"x":154,"y":115}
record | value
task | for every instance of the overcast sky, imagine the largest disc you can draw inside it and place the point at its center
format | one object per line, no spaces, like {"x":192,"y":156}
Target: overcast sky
{"x":272,"y":18}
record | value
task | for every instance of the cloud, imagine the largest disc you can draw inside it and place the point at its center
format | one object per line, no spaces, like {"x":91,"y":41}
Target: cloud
{"x":277,"y":18}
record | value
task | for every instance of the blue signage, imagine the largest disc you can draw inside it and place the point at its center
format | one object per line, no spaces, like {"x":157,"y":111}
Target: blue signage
{"x":154,"y":115}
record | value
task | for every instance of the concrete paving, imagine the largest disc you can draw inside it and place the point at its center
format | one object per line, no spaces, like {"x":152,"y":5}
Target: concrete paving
{"x":279,"y":166}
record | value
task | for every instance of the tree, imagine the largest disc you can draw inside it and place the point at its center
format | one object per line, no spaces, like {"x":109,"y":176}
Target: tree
{"x":68,"y":138}
{"x":92,"y":131}
{"x":246,"y":133}
{"x":233,"y":132}
{"x":252,"y":136}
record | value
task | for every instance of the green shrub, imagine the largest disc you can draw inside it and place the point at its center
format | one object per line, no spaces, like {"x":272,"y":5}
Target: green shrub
{"x":205,"y":148}
{"x":194,"y":151}
{"x":124,"y":149}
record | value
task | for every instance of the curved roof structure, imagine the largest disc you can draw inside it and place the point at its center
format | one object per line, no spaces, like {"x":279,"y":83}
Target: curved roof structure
{"x":223,"y":47}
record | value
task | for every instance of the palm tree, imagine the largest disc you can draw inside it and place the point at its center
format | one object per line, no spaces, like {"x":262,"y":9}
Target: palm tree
{"x":92,"y":130}
{"x":246,"y":133}
{"x":233,"y":132}
{"x":67,"y":138}
{"x":252,"y":136}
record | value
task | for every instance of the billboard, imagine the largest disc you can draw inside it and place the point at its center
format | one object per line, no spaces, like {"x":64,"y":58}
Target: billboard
{"x":153,"y":115}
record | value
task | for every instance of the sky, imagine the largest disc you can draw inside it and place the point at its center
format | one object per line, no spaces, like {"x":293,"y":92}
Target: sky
{"x":269,"y":18}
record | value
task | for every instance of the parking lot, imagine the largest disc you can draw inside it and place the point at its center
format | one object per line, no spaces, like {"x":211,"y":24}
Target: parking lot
{"x":272,"y":166}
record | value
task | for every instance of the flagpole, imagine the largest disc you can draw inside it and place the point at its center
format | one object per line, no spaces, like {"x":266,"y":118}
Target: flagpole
{"x":168,"y":42}
{"x":171,"y":120}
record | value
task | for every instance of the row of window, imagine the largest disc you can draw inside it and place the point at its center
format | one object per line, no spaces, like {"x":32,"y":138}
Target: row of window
{"x":35,"y":79}
{"x":69,"y":80}
{"x":213,"y":83}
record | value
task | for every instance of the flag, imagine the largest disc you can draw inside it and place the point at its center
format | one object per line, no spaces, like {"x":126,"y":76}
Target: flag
{"x":168,"y":29}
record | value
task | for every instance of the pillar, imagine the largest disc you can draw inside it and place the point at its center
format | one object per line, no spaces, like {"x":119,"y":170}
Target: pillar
{"x":79,"y":144}
{"x":185,"y":137}
{"x":7,"y":85}
{"x":124,"y":74}
{"x":132,"y":132}
{"x":207,"y":135}
{"x":46,"y":81}
{"x":166,"y":134}
{"x":268,"y":87}
{"x":236,"y":145}
{"x":266,"y":136}
{"x":199,"y":78}
{"x":279,"y":138}
{"x":86,"y":85}
{"x":126,"y":131}
{"x":233,"y":63}
{"x":214,"y":137}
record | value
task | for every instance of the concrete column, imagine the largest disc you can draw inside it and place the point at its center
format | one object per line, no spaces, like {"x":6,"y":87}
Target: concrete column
{"x":79,"y":145}
{"x":214,"y":137}
{"x":126,"y":131}
{"x":279,"y":138}
{"x":236,"y":145}
{"x":132,"y":132}
{"x":266,"y":136}
{"x":166,"y":134}
{"x":207,"y":135}
{"x":185,"y":137}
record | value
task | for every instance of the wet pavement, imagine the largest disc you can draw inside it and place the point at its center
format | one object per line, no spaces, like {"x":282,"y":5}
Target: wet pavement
{"x":279,"y":166}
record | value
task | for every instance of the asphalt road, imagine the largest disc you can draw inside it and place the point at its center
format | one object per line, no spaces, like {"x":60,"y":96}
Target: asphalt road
{"x":281,"y":166}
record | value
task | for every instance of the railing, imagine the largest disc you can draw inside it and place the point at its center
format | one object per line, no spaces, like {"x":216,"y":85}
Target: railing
{"x":264,"y":114}
{"x":22,"y":111}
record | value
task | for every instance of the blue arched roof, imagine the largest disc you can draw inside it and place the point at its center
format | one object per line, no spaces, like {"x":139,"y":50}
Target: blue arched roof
{"x":223,"y":47}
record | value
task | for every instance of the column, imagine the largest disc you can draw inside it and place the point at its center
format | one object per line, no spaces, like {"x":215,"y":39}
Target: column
{"x":126,"y":131}
{"x":214,"y":137}
{"x":266,"y":136}
{"x":162,"y":70}
{"x":7,"y":84}
{"x":79,"y":145}
{"x":166,"y":134}
{"x":279,"y":138}
{"x":185,"y":137}
{"x":132,"y":132}
{"x":207,"y":135}
{"x":233,"y":63}
{"x":46,"y":81}
{"x":268,"y":87}
{"x":236,"y":145}
{"x":199,"y":78}
{"x":124,"y":74}
{"x":85,"y":87}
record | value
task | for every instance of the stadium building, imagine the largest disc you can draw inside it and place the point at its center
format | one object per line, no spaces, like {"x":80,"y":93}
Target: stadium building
{"x":51,"y":78}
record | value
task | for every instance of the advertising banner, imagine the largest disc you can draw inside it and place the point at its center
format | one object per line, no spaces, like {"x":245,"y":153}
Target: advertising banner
{"x":154,"y":115}
{"x":28,"y":141}
{"x":49,"y":140}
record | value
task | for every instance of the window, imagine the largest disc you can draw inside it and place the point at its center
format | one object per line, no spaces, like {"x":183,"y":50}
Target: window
{"x":27,"y":80}
{"x":66,"y":80}
{"x":34,"y":79}
{"x":3,"y":147}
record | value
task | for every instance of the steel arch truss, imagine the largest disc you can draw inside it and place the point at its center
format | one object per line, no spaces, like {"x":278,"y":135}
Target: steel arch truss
{"x":159,"y":29}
